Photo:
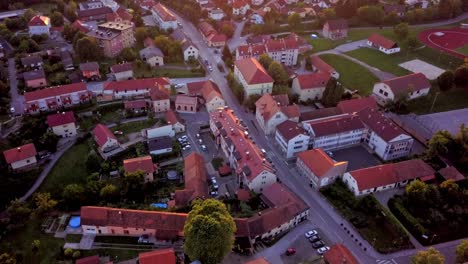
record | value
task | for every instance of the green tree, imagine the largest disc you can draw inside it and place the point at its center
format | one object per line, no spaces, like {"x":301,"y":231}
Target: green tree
{"x":401,"y":30}
{"x":76,"y":254}
{"x":227,"y":56}
{"x":109,"y":193}
{"x":449,"y":8}
{"x":278,"y":73}
{"x":133,"y":184}
{"x":209,"y":232}
{"x":430,"y":256}
{"x":392,"y":19}
{"x":56,"y":19}
{"x":93,"y":163}
{"x":416,"y":191}
{"x":44,"y":203}
{"x":36,"y":245}
{"x":294,"y":20}
{"x":250,"y":102}
{"x":140,"y":35}
{"x":227,"y":30}
{"x":265,"y":60}
{"x":461,"y":76}
{"x":6,"y":258}
{"x":412,"y":43}
{"x":128,"y":54}
{"x":462,"y":251}
{"x":333,"y":92}
{"x":446,"y":80}
{"x":88,"y":49}
{"x":18,"y":212}
{"x":74,"y":195}
{"x":399,"y":105}
{"x":49,"y":141}
{"x":371,"y":14}
{"x":28,"y":14}
{"x":439,"y":144}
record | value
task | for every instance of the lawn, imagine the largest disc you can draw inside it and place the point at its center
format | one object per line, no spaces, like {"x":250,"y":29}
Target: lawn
{"x":132,"y":127}
{"x":352,"y":75}
{"x":446,"y":101}
{"x":382,"y":61}
{"x":463,"y":50}
{"x":114,"y":254}
{"x":116,"y":239}
{"x":73,"y":238}
{"x":44,"y":8}
{"x":145,"y":72}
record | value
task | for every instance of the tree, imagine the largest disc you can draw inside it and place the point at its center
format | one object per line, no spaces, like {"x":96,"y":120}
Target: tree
{"x":28,"y":14}
{"x":141,"y":34}
{"x":35,"y":245}
{"x":18,"y":211}
{"x":430,"y":256}
{"x":333,"y":92}
{"x":446,"y":80}
{"x":109,"y":193}
{"x":371,"y":14}
{"x":401,"y":30}
{"x":6,"y":258}
{"x":74,"y":195}
{"x":392,"y":19}
{"x":412,"y":43}
{"x":128,"y":54}
{"x":44,"y":203}
{"x":462,"y":252}
{"x":133,"y":184}
{"x":49,"y":141}
{"x":88,"y":49}
{"x":294,"y":20}
{"x":398,"y":105}
{"x":209,"y":232}
{"x":439,"y":143}
{"x":93,"y":163}
{"x":265,"y":60}
{"x":449,"y":8}
{"x":416,"y":191}
{"x":227,"y":30}
{"x":461,"y":76}
{"x":56,"y":19}
{"x":278,"y":73}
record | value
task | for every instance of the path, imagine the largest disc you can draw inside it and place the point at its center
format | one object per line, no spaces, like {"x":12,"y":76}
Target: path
{"x":17,"y":100}
{"x":237,"y":39}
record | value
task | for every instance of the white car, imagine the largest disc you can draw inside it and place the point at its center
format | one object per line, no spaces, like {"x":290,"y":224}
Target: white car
{"x":322,"y":250}
{"x":311,"y":233}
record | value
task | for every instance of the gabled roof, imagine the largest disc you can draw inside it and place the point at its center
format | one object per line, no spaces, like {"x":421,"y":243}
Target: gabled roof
{"x":34,"y":75}
{"x":61,"y":119}
{"x":187,"y":44}
{"x":89,"y":66}
{"x":94,"y":12}
{"x":122,"y":67}
{"x":196,"y":185}
{"x":252,"y":71}
{"x":391,"y":173}
{"x":135,"y":104}
{"x":319,"y":113}
{"x":382,"y":41}
{"x":55,"y":91}
{"x":163,"y":256}
{"x":102,"y":134}
{"x":289,"y":130}
{"x":408,"y":83}
{"x":124,"y":14}
{"x":31,"y":59}
{"x":356,"y":105}
{"x":184,"y":99}
{"x":236,"y":4}
{"x":339,"y":254}
{"x":159,"y":93}
{"x":206,"y":28}
{"x":313,"y":80}
{"x":451,"y":173}
{"x":216,"y":37}
{"x":172,"y":117}
{"x":150,"y":52}
{"x":318,"y":161}
{"x":39,"y":21}
{"x":80,"y":26}
{"x":164,"y":13}
{"x":321,"y":65}
{"x":20,"y":153}
{"x":337,"y":24}
{"x":382,"y":126}
{"x":120,"y":86}
{"x":210,"y":91}
{"x":141,"y":163}
{"x":335,"y":125}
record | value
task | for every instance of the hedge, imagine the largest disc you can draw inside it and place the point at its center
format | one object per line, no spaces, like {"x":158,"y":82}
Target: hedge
{"x":408,"y":220}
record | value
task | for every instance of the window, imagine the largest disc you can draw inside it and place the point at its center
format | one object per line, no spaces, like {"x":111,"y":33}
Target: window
{"x":385,"y":93}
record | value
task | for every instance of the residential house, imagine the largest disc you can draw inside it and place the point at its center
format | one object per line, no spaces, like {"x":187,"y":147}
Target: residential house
{"x":206,"y":29}
{"x":153,"y":56}
{"x":335,"y":29}
{"x":80,"y":26}
{"x":212,"y":96}
{"x":250,"y":51}
{"x":105,"y":139}
{"x":39,"y":25}
{"x":144,"y":164}
{"x":216,"y":40}
{"x":303,"y":44}
{"x":253,"y":77}
{"x":240,"y":7}
{"x":383,"y":44}
{"x":387,"y":176}
{"x":98,"y":14}
{"x":35,"y":79}
{"x":451,"y":173}
{"x":163,"y":17}
{"x":271,"y":111}
{"x":411,"y":86}
{"x":166,"y":256}
{"x":178,"y":35}
{"x":216,"y":14}
{"x":244,"y":157}
{"x":318,"y":65}
{"x":113,"y":37}
{"x":186,"y":104}
{"x":21,"y":157}
{"x":53,"y":98}
{"x":291,"y":138}
{"x":158,"y":132}
{"x":339,"y":254}
{"x":356,"y":105}
{"x":90,"y":5}
{"x":190,"y":50}
{"x":285,"y":50}
{"x":160,"y":99}
{"x":122,"y":71}
{"x":160,"y":145}
{"x":195,"y":178}
{"x":62,"y":124}
{"x":310,"y":86}
{"x":90,"y":70}
{"x":173,"y":119}
{"x":133,"y":88}
{"x":394,"y":8}
{"x":32,"y":61}
{"x":136,"y":106}
{"x":319,"y":168}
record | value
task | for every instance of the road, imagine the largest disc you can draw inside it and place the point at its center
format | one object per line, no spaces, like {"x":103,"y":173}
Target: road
{"x":17,"y":100}
{"x":237,"y":39}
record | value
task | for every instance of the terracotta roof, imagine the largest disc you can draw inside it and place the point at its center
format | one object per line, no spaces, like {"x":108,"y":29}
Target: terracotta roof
{"x":387,"y":174}
{"x":80,"y":26}
{"x":102,"y":134}
{"x":20,"y":153}
{"x":451,"y":173}
{"x":171,"y":117}
{"x":61,"y":119}
{"x":381,"y":41}
{"x":291,"y":111}
{"x":313,"y":80}
{"x":34,"y":75}
{"x":88,"y":260}
{"x":141,"y":163}
{"x":339,"y":254}
{"x":335,"y":125}
{"x":216,"y":37}
{"x":94,"y":12}
{"x":184,"y":99}
{"x":238,"y":4}
{"x":55,"y":91}
{"x":210,"y":90}
{"x":408,"y":83}
{"x":122,"y":67}
{"x":382,"y":126}
{"x":252,"y":71}
{"x":258,"y":261}
{"x":269,"y":105}
{"x":289,"y":130}
{"x":319,"y":113}
{"x":124,"y":14}
{"x":251,"y":50}
{"x":356,"y":105}
{"x":337,"y":24}
{"x":321,"y":65}
{"x":166,"y":256}
{"x":243,"y":195}
{"x":39,"y":21}
{"x":164,"y":13}
{"x":89,"y":66}
{"x":318,"y":161}
{"x":196,"y":185}
{"x":148,"y":83}
{"x":194,"y":88}
{"x":187,"y":44}
{"x":135,"y":104}
{"x":278,"y":194}
{"x":206,"y":28}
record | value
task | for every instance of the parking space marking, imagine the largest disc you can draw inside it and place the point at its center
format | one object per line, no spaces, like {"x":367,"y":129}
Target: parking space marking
{"x":386,"y":261}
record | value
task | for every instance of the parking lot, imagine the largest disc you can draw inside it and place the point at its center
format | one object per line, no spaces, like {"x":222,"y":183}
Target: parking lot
{"x":304,"y":249}
{"x":358,"y":157}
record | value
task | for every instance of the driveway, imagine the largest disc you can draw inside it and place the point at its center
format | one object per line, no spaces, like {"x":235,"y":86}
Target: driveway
{"x":351,"y":46}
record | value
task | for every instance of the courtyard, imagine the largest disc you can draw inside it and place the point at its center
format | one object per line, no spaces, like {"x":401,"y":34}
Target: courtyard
{"x":358,"y":157}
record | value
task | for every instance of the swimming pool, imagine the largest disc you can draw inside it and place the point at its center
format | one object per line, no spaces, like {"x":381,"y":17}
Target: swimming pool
{"x":75,"y":221}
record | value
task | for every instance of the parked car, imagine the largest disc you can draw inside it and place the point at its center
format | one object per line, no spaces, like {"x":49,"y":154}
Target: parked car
{"x":204,"y":148}
{"x":290,"y":251}
{"x":318,"y":244}
{"x":315,"y":238}
{"x":200,"y":141}
{"x":198,"y":135}
{"x":118,"y":132}
{"x":144,"y":239}
{"x":214,"y":193}
{"x":311,"y":233}
{"x":322,"y":250}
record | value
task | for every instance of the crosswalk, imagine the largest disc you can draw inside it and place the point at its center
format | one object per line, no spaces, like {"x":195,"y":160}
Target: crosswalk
{"x":386,"y":261}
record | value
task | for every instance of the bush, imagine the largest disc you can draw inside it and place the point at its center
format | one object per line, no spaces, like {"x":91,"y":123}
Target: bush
{"x":110,"y":107}
{"x":406,"y":218}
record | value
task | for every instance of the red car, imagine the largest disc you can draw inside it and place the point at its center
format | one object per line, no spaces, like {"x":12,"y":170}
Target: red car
{"x":290,"y":251}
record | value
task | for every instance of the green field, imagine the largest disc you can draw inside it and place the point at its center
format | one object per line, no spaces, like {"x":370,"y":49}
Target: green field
{"x":380,"y":60}
{"x":144,"y":72}
{"x":132,"y":127}
{"x":463,"y":50}
{"x":445,"y":101}
{"x":352,"y":75}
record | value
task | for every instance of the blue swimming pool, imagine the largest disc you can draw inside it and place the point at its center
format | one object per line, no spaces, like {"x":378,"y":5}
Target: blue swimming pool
{"x":159,"y":205}
{"x":75,"y":221}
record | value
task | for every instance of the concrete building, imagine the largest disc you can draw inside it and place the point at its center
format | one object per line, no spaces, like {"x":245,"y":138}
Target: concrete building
{"x":62,"y":124}
{"x":310,"y":86}
{"x":163,"y":17}
{"x":144,"y":164}
{"x":21,"y":157}
{"x":274,"y":110}
{"x":105,"y":139}
{"x":173,"y":119}
{"x":131,"y":89}
{"x":291,"y":138}
{"x":319,"y":168}
{"x":284,"y":50}
{"x":113,"y":37}
{"x":412,"y":86}
{"x":160,"y":99}
{"x":122,"y":71}
{"x":153,"y":56}
{"x":158,"y":132}
{"x":335,"y":29}
{"x":39,"y":25}
{"x":383,"y":44}
{"x":253,"y":77}
{"x":186,"y":104}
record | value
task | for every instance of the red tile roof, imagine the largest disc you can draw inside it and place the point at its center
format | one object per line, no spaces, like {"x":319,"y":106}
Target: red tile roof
{"x":20,"y":153}
{"x":196,"y":185}
{"x":451,"y":173}
{"x":381,"y":41}
{"x":337,"y":24}
{"x":408,"y":83}
{"x":339,"y":254}
{"x":171,"y":117}
{"x":335,"y":125}
{"x":55,"y":91}
{"x":210,"y":91}
{"x":318,"y":161}
{"x":356,"y":105}
{"x":184,"y":99}
{"x":89,"y":66}
{"x":278,"y":194}
{"x":39,"y":21}
{"x":80,"y":26}
{"x":61,"y":119}
{"x":164,"y":13}
{"x":135,"y":104}
{"x":238,"y":4}
{"x":313,"y":80}
{"x":102,"y":134}
{"x":194,"y":88}
{"x":124,"y":14}
{"x":141,"y":163}
{"x":387,"y":174}
{"x":122,"y":67}
{"x":120,"y":86}
{"x":252,"y":71}
{"x":159,"y":93}
{"x":382,"y":126}
{"x":269,"y":105}
{"x":321,"y":65}
{"x":289,"y":130}
{"x":206,"y":28}
{"x":258,"y":261}
{"x":251,"y":50}
{"x":243,"y":195}
{"x":215,"y":37}
{"x":88,"y":260}
{"x":159,"y":256}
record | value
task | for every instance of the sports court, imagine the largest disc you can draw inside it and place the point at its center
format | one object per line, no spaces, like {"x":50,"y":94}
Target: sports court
{"x":430,"y":71}
{"x":446,"y":40}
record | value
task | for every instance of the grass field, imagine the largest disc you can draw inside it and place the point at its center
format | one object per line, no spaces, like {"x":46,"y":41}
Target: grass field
{"x":352,"y":75}
{"x":446,"y":101}
{"x":132,"y":127}
{"x":382,"y":61}
{"x":144,"y":72}
{"x":463,"y":50}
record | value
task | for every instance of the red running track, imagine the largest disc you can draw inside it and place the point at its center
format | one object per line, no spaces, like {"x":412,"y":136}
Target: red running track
{"x":452,"y":39}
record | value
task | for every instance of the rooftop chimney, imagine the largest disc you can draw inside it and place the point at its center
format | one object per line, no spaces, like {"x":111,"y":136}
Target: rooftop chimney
{"x":19,"y":149}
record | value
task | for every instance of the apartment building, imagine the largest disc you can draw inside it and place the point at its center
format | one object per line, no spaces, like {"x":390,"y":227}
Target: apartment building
{"x":164,"y":17}
{"x":253,"y":77}
{"x":291,"y":138}
{"x":113,"y":37}
{"x":272,"y":110}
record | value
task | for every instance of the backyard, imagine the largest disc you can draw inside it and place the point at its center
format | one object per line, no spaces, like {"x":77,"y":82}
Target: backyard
{"x":352,"y":75}
{"x":135,"y":126}
{"x":146,"y":72}
{"x":374,"y":222}
{"x":445,"y":101}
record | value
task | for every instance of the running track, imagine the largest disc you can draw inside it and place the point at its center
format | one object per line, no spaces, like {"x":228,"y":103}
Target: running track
{"x":452,"y":39}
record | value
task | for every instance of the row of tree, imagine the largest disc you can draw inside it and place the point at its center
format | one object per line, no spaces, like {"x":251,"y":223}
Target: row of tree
{"x":433,"y":256}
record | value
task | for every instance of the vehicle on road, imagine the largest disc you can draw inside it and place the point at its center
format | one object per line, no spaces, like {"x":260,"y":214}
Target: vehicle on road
{"x":322,"y":250}
{"x":311,"y":233}
{"x":200,"y":141}
{"x":214,"y":193}
{"x":318,"y":244}
{"x":290,"y":251}
{"x":12,"y":110}
{"x":198,"y":135}
{"x":315,"y":238}
{"x":204,"y":148}
{"x":117,"y":132}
